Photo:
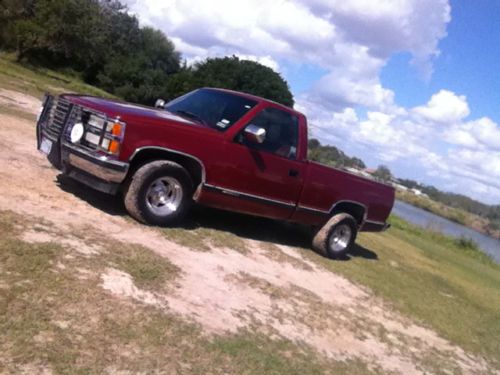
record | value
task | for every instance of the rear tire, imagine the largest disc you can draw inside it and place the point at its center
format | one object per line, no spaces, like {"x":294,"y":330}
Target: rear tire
{"x":159,"y":193}
{"x":336,"y":238}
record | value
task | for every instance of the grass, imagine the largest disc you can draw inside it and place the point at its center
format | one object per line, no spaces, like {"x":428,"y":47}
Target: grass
{"x":51,"y":319}
{"x":203,"y":239}
{"x":148,"y":270}
{"x":448,"y":286}
{"x":37,"y":81}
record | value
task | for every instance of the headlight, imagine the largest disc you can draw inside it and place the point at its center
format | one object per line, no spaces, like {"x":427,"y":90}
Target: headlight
{"x":77,"y":132}
{"x":101,"y":133}
{"x":96,"y":121}
{"x":92,"y":138}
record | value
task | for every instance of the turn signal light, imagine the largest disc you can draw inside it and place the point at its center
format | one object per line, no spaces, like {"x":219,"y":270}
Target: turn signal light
{"x":114,"y":144}
{"x":114,"y":147}
{"x":116,"y":130}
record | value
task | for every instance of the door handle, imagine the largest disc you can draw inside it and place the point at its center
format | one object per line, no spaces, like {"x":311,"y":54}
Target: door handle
{"x":293,"y":173}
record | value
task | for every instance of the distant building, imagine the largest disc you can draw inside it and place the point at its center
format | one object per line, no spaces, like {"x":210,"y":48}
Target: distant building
{"x":417,"y":192}
{"x":369,"y":170}
{"x":353,"y":170}
{"x":400,"y":187}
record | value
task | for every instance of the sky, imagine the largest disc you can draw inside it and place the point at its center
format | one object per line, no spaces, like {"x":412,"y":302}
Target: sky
{"x":411,"y":84}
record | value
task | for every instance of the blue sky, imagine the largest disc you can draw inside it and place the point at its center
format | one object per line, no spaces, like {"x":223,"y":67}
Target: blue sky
{"x":411,"y":84}
{"x":468,"y":63}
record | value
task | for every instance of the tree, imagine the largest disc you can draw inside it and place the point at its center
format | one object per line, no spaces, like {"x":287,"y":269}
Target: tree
{"x":383,"y":173}
{"x":313,"y":143}
{"x":61,"y":33}
{"x":12,"y":11}
{"x":234,"y":74}
{"x":142,"y":75}
{"x":97,"y":39}
{"x":357,"y":163}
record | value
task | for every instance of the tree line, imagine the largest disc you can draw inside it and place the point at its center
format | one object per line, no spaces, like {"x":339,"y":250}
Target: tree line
{"x":332,"y":156}
{"x":491,"y":212}
{"x":99,"y":41}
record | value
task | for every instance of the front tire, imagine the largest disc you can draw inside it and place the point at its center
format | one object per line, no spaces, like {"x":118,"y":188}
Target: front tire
{"x":159,"y":193}
{"x":336,"y":238}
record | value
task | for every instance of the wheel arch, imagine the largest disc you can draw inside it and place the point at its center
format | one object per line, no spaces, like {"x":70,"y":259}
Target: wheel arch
{"x":357,"y":210}
{"x":192,"y":164}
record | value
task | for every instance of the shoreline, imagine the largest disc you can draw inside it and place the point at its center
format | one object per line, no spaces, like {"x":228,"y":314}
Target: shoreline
{"x":458,"y":216}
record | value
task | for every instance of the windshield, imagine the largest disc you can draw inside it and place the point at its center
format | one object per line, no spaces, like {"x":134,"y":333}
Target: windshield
{"x":217,"y":109}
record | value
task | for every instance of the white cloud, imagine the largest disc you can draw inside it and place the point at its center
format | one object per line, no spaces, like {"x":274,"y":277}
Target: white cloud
{"x":264,"y":60}
{"x":483,"y":134}
{"x":444,"y":107}
{"x":457,"y":155}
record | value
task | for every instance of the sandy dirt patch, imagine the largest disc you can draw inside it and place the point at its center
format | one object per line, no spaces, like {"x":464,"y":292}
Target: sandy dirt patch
{"x":17,"y":100}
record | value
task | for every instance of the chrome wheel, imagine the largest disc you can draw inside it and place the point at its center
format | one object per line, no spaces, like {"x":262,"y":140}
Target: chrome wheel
{"x":340,"y":238}
{"x":164,"y":196}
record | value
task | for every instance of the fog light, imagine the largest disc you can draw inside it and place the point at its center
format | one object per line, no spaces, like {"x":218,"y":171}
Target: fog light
{"x":77,"y":132}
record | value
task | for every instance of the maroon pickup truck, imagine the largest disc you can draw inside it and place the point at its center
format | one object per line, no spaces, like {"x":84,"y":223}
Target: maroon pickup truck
{"x":214,"y":147}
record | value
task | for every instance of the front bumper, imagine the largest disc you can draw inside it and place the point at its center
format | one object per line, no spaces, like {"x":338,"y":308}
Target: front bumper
{"x":86,"y":166}
{"x":96,"y":171}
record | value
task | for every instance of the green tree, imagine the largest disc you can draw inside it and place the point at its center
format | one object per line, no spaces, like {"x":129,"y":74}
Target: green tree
{"x":357,"y":163}
{"x":61,"y":33}
{"x":96,"y":39}
{"x":141,"y":76}
{"x":313,"y":143}
{"x":234,"y":74}
{"x":383,"y":173}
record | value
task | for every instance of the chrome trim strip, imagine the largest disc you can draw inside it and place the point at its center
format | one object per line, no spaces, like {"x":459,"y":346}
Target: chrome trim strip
{"x":374,"y":222}
{"x":383,"y":226}
{"x":203,"y":171}
{"x":240,"y":194}
{"x":315,"y":210}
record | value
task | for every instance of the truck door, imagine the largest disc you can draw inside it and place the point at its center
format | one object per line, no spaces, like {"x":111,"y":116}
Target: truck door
{"x":265,"y":178}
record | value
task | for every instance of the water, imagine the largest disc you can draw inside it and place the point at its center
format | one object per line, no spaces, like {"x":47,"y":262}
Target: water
{"x":426,"y":219}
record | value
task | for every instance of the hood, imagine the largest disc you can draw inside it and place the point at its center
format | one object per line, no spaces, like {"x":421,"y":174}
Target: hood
{"x":127,"y":111}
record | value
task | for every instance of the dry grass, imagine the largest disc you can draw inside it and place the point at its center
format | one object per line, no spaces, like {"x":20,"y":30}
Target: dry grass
{"x":148,"y":270}
{"x":203,"y":239}
{"x":54,"y":316}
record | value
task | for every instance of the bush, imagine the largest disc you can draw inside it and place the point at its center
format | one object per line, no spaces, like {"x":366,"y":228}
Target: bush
{"x":466,"y":243}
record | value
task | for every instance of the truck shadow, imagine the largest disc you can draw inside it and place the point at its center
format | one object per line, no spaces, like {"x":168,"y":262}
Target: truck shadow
{"x":244,"y":226}
{"x":110,"y":204}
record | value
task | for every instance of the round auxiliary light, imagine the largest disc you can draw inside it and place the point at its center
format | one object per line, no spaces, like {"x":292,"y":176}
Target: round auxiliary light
{"x":77,"y":132}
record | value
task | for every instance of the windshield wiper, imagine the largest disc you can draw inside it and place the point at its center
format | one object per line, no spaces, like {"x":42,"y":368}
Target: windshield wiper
{"x":191,"y":115}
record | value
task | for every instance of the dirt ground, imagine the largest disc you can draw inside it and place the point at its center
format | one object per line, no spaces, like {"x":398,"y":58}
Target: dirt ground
{"x":223,"y":290}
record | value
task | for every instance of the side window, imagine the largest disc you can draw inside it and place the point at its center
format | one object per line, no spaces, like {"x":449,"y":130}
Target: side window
{"x":282,"y":129}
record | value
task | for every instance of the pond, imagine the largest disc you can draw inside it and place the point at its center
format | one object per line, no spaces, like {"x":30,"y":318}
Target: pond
{"x":427,"y":219}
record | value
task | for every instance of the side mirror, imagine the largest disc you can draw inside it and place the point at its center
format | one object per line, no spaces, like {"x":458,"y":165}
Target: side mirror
{"x":160,"y":103}
{"x":255,"y":134}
